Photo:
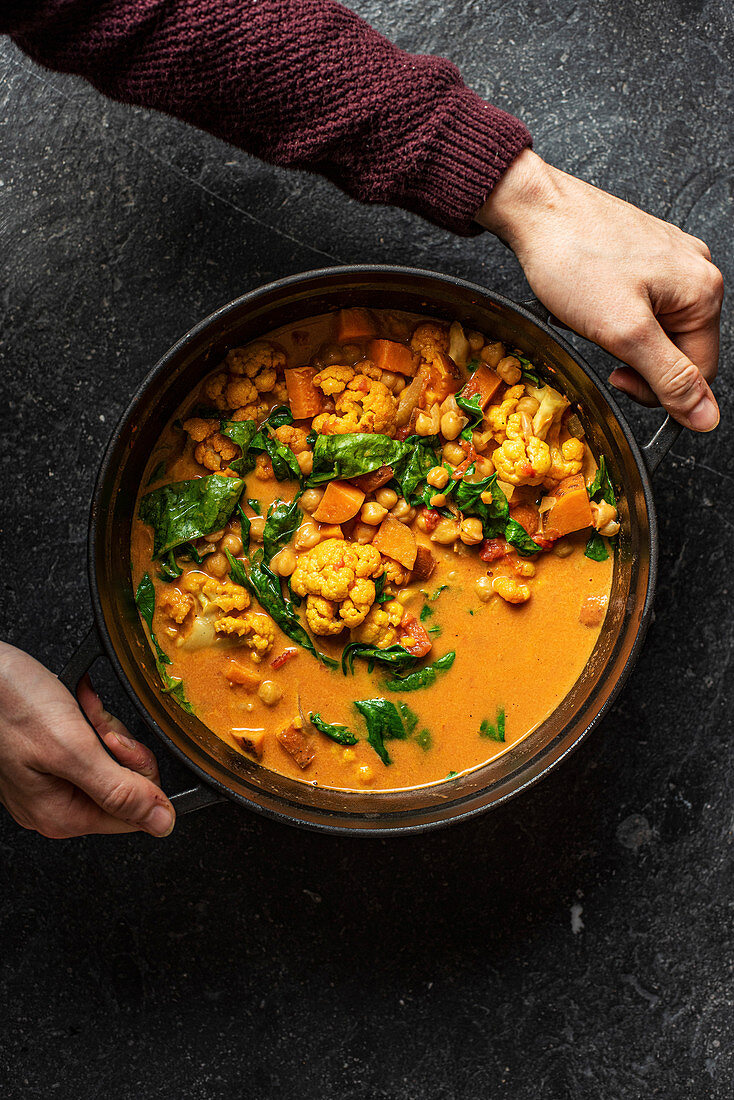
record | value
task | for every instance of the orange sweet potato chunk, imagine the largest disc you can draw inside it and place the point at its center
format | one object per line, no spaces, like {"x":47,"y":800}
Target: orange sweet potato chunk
{"x":240,"y":674}
{"x":341,"y":501}
{"x":572,"y":511}
{"x":396,"y":541}
{"x":354,"y":324}
{"x":298,"y":744}
{"x":484,"y":382}
{"x":250,"y":740}
{"x":305,"y":400}
{"x":389,"y":355}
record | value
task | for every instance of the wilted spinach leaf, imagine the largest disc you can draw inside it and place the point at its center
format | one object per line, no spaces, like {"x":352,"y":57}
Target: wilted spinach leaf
{"x":172,"y":685}
{"x":340,"y":734}
{"x":282,"y":522}
{"x":345,"y":456}
{"x":494,"y":732}
{"x":596,"y":548}
{"x":422,"y":677}
{"x":242,"y":433}
{"x":384,"y":723}
{"x":393,"y":655}
{"x":470,"y":407}
{"x":411,"y":472}
{"x":186,"y":510}
{"x":285,"y":464}
{"x":518,"y":537}
{"x":601,"y":487}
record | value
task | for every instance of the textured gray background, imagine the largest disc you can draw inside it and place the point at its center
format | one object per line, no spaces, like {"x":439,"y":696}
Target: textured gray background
{"x":576,"y":943}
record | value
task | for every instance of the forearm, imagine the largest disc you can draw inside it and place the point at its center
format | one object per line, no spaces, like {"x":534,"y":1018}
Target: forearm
{"x":300,"y":83}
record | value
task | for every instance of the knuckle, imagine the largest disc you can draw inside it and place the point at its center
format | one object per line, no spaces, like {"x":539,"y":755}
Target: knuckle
{"x":681,"y":382}
{"x":716,"y":285}
{"x":121,"y":800}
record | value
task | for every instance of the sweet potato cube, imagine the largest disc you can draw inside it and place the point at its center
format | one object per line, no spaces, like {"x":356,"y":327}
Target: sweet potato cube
{"x":396,"y":541}
{"x":485,"y":382}
{"x":238,"y":673}
{"x":528,"y":516}
{"x":298,"y":744}
{"x":250,"y":740}
{"x":389,"y":355}
{"x":304,"y":398}
{"x":571,"y":511}
{"x":354,"y":324}
{"x":341,"y":501}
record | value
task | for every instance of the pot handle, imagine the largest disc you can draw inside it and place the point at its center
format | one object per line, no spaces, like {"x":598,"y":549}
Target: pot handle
{"x":653,"y":452}
{"x":86,"y":653}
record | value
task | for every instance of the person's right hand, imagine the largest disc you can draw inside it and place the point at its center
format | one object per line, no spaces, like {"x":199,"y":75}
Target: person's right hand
{"x":55,"y":776}
{"x":638,"y":286}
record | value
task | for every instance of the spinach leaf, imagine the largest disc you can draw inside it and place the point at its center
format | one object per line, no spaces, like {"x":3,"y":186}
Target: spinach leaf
{"x":381,"y":595}
{"x":410,"y":718}
{"x":472,"y":365}
{"x":393,"y":655}
{"x":596,"y":548}
{"x":157,"y":473}
{"x":495,"y":514}
{"x":266,"y":588}
{"x":384,"y":723}
{"x":601,"y":486}
{"x":186,"y":510}
{"x":425,"y":740}
{"x":452,"y":775}
{"x":494,"y":732}
{"x":255,"y":505}
{"x":422,"y":677}
{"x":283,"y":520}
{"x":242,"y":433}
{"x":426,"y":612}
{"x":518,"y":537}
{"x":172,"y":685}
{"x":340,"y":734}
{"x":169,"y":570}
{"x":411,"y":472}
{"x":345,"y":456}
{"x":285,"y":464}
{"x":529,"y":373}
{"x":244,"y":529}
{"x":470,"y":407}
{"x":438,"y":592}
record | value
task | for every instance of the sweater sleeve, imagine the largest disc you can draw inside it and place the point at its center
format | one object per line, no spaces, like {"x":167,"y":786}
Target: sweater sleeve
{"x":299,"y":83}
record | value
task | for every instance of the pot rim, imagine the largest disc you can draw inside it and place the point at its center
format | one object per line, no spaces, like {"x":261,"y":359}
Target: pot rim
{"x":393,"y":826}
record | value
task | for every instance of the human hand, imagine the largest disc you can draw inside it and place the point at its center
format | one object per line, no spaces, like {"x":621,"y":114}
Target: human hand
{"x":55,"y":776}
{"x":637,"y":286}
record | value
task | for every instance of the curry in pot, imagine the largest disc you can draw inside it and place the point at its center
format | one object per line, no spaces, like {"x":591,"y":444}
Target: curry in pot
{"x":372,"y":551}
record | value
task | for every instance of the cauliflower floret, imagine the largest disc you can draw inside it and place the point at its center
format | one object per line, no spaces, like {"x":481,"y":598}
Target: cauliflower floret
{"x":430,"y":335}
{"x":552,"y":406}
{"x":259,"y":362}
{"x":333,"y":379}
{"x":395,"y":573}
{"x":566,"y":458}
{"x":295,"y":438}
{"x":365,"y":405}
{"x":256,"y":629}
{"x":380,"y":625}
{"x":496,"y":416}
{"x":322,"y":616}
{"x":511,"y":590}
{"x":522,"y":459}
{"x":213,"y":450}
{"x":338,"y":574}
{"x":176,"y":604}
{"x":226,"y":595}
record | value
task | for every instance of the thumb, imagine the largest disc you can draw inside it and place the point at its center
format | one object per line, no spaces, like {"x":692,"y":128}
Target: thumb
{"x":678,"y":383}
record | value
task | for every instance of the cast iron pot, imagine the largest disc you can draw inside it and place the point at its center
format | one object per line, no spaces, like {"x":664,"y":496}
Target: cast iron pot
{"x":118,"y":635}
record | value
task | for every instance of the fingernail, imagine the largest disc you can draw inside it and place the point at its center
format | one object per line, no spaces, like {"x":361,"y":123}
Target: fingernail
{"x":705,"y":416}
{"x":159,"y":822}
{"x":126,"y":742}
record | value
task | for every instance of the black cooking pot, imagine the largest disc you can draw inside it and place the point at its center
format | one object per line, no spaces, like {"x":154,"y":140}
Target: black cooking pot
{"x":117,"y":632}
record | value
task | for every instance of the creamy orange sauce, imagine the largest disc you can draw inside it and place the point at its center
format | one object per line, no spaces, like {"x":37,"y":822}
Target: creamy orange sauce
{"x":522,"y":659}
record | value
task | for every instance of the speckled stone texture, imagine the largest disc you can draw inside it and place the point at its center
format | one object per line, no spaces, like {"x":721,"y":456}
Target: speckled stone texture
{"x":576,"y":943}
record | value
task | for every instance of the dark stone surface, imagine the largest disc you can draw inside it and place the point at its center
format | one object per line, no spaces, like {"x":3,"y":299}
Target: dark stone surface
{"x":576,"y":943}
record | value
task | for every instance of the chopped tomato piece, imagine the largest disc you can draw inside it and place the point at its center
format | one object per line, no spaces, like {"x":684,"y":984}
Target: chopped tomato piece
{"x":413,"y":636}
{"x":493,"y":549}
{"x":430,"y":518}
{"x":283,"y":658}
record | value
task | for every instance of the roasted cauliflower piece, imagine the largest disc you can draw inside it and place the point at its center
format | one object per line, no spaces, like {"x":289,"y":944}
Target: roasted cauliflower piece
{"x":226,"y":595}
{"x":511,"y":590}
{"x":395,"y":573}
{"x":213,"y":450}
{"x":260,"y":362}
{"x":333,"y":379}
{"x":176,"y":604}
{"x":380,"y":625}
{"x":336,"y":577}
{"x":495,"y":417}
{"x":364,"y":405}
{"x":292,"y":437}
{"x":522,"y":459}
{"x":256,"y":629}
{"x":566,"y":458}
{"x":552,"y":407}
{"x":429,"y":335}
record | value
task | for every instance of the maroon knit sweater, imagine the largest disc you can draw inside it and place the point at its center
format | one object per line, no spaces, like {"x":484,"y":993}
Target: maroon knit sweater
{"x":299,"y":83}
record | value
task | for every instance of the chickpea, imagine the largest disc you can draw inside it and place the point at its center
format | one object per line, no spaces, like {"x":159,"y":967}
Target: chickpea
{"x":365,"y":774}
{"x":217,"y":564}
{"x":509,"y":370}
{"x":310,"y":500}
{"x":438,"y":477}
{"x":453,"y":453}
{"x":373,"y":513}
{"x":451,"y":425}
{"x":257,"y":527}
{"x":215,"y":536}
{"x":428,"y":423}
{"x":491,"y":354}
{"x":270,"y":693}
{"x":528,"y":405}
{"x":305,"y":461}
{"x":363,"y":533}
{"x":401,"y":509}
{"x":446,"y":532}
{"x":348,"y":755}
{"x":389,"y":378}
{"x":609,"y":530}
{"x":563,"y":549}
{"x":483,"y":466}
{"x":284,"y":562}
{"x":483,"y":589}
{"x":476,"y":340}
{"x":233,"y":543}
{"x":471,"y":531}
{"x":438,"y":500}
{"x":524,"y":568}
{"x":405,"y":596}
{"x":481,"y":439}
{"x":388,"y":498}
{"x":399,"y":385}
